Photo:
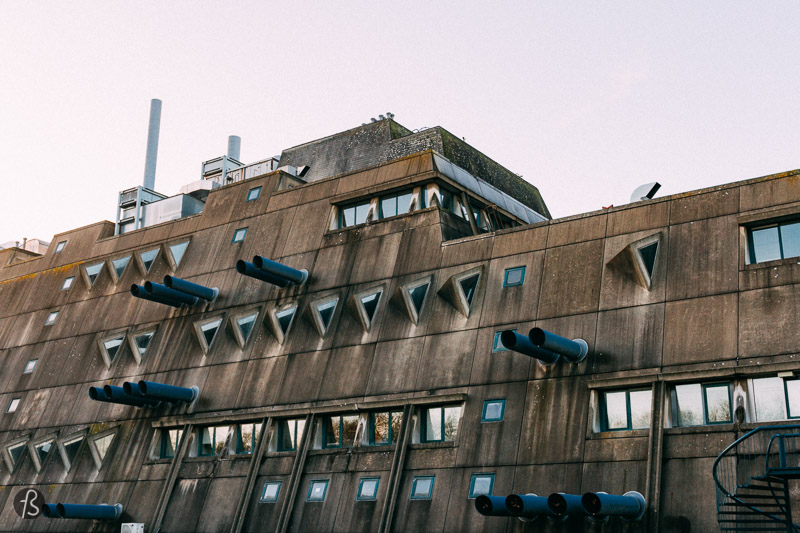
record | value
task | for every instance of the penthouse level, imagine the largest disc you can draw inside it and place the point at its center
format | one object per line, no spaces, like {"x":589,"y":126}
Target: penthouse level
{"x":377,"y":395}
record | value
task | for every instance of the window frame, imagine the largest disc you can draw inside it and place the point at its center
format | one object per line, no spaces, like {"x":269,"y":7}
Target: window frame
{"x":165,"y":437}
{"x":280,"y":433}
{"x":341,"y":443}
{"x":423,"y":437}
{"x":59,"y":247}
{"x":262,"y":498}
{"x":497,"y":343}
{"x":762,"y":225}
{"x":251,"y":191}
{"x":371,"y":427}
{"x":342,"y":219}
{"x":786,"y":405}
{"x":213,"y":441}
{"x":68,"y":283}
{"x":472,"y":480}
{"x":604,"y":409}
{"x":361,"y":481}
{"x":486,"y":403}
{"x":506,"y":284}
{"x":676,"y":408}
{"x":239,"y":449}
{"x":51,"y":318}
{"x":428,"y":496}
{"x":236,"y":239}
{"x":15,"y":401}
{"x":25,"y":370}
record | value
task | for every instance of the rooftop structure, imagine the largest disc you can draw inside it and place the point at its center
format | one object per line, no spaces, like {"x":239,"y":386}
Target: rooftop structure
{"x":382,"y":330}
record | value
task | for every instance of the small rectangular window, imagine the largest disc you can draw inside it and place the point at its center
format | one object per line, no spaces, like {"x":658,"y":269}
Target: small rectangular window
{"x":290,"y":432}
{"x":481,"y":484}
{"x":13,"y":405}
{"x":440,"y":424}
{"x":422,"y":488}
{"x":29,"y":366}
{"x":253,"y":194}
{"x":625,"y":410}
{"x":497,"y":344}
{"x":774,"y":241}
{"x":169,"y":442}
{"x":368,"y":489}
{"x":384,"y":428}
{"x":67,"y":283}
{"x":317,"y":490}
{"x":238,"y":235}
{"x":51,"y":318}
{"x":212,"y":440}
{"x":514,"y":277}
{"x":493,"y":411}
{"x":59,"y":247}
{"x":270,"y":492}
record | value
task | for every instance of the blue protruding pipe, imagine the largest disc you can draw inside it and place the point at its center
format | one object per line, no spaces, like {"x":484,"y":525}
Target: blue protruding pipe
{"x":491,"y":505}
{"x":193,"y":289}
{"x":294,"y":276}
{"x":573,"y":351}
{"x":528,"y":506}
{"x":630,"y":506}
{"x":140,"y":292}
{"x":113,"y":394}
{"x":93,"y":512}
{"x":165,"y":293}
{"x":565,"y":504}
{"x":50,"y":510}
{"x":522,"y":344}
{"x":249,"y":269}
{"x":159,"y":391}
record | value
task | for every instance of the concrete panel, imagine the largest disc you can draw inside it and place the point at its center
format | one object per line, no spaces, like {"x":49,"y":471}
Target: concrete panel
{"x":304,"y":375}
{"x":262,"y":516}
{"x":617,"y":477}
{"x":395,"y":366}
{"x":629,"y":339}
{"x":724,"y":201}
{"x":447,"y":317}
{"x":650,"y":215}
{"x":316,"y":516}
{"x":577,"y":229}
{"x":620,"y":287}
{"x":347,"y":372}
{"x":467,"y":250}
{"x":422,"y":515}
{"x":688,"y":506}
{"x":768,"y":321}
{"x":501,"y":366}
{"x":419,"y":251}
{"x":221,"y":387}
{"x":357,"y":181}
{"x":222,"y":496}
{"x":615,"y":447}
{"x":502,"y":305}
{"x":772,"y":274}
{"x":703,"y":258}
{"x":570,"y":327}
{"x":770,"y":192}
{"x":332,"y":267}
{"x":571,"y":279}
{"x":461,"y":513}
{"x":520,"y":240}
{"x":261,"y":382}
{"x":366,"y":268}
{"x":143,"y":501}
{"x":360,"y":516}
{"x":685,"y":443}
{"x":310,"y":222}
{"x":687,"y":324}
{"x":185,"y":505}
{"x":446,"y":360}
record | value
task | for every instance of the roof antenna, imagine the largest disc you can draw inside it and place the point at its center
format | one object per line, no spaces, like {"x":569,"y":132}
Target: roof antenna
{"x":645,"y":192}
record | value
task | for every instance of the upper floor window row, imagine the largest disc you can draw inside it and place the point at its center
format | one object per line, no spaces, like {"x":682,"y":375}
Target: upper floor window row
{"x":391,"y":205}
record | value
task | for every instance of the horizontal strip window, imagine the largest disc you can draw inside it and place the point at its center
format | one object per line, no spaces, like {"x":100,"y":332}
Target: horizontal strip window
{"x":625,"y":409}
{"x":696,"y":404}
{"x":776,"y":398}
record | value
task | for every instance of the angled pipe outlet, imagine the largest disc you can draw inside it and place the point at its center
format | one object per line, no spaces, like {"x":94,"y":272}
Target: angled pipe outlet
{"x":491,"y":505}
{"x":165,"y":293}
{"x":522,"y":344}
{"x":249,"y":269}
{"x":528,"y":506}
{"x":161,"y":392}
{"x":573,"y":351}
{"x":92,"y":512}
{"x":292,"y":275}
{"x":139,"y":292}
{"x":192,"y":289}
{"x":562,"y":504}
{"x":117,"y":395}
{"x":629,"y":506}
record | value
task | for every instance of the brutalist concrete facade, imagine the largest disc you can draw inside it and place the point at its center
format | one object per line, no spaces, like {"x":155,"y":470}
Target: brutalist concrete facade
{"x":707,"y":315}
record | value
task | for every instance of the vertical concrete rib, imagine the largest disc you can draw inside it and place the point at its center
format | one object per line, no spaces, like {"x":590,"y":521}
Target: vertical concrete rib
{"x":398,"y":462}
{"x":655,"y":448}
{"x":172,"y":476}
{"x":252,"y":473}
{"x":297,"y":473}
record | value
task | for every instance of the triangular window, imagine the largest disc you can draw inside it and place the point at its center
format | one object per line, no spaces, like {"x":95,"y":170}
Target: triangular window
{"x":119,"y":265}
{"x":468,"y":286}
{"x":140,"y":343}
{"x":100,"y":446}
{"x":243,"y":326}
{"x":207,"y":331}
{"x":110,"y":348}
{"x":148,"y":258}
{"x":648,"y":254}
{"x":15,"y":451}
{"x":366,"y":306}
{"x":417,"y":295}
{"x":176,"y":252}
{"x":370,"y":304}
{"x":412,"y":297}
{"x":281,"y":320}
{"x":70,"y":448}
{"x":322,"y":312}
{"x":42,"y":451}
{"x":92,"y":272}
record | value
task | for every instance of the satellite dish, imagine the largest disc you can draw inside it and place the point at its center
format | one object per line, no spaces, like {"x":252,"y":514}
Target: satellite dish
{"x":645,"y":192}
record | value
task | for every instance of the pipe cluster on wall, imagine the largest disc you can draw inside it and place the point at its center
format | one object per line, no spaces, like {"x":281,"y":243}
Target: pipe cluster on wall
{"x":596,"y":505}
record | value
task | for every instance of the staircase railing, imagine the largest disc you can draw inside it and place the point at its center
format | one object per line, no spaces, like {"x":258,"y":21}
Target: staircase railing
{"x":756,"y":455}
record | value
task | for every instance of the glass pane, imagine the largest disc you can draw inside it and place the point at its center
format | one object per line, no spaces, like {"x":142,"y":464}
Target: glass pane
{"x":16,"y":452}
{"x":253,"y":193}
{"x":43,"y":449}
{"x":93,"y":271}
{"x":285,"y":318}
{"x":380,"y":425}
{"x":29,"y":366}
{"x":422,"y":487}
{"x":769,"y":398}
{"x":13,"y":405}
{"x":143,"y":341}
{"x":718,"y":404}
{"x":451,"y":417}
{"x":120,"y":264}
{"x":417,"y":294}
{"x":361,"y":213}
{"x":514,"y":276}
{"x":148,"y":257}
{"x":349,"y":216}
{"x":207,"y":441}
{"x":493,"y":411}
{"x":246,"y":325}
{"x":369,"y":489}
{"x":446,"y":201}
{"x":389,"y":206}
{"x":102,"y":444}
{"x":326,"y":312}
{"x":220,"y":434}
{"x":271,"y":490}
{"x":790,"y":239}
{"x":765,"y":244}
{"x":640,"y":409}
{"x":209,"y":330}
{"x":333,"y":427}
{"x":690,"y":404}
{"x":286,"y":433}
{"x":248,"y":433}
{"x":397,"y":421}
{"x":648,"y":255}
{"x":468,"y":286}
{"x":71,"y":447}
{"x":317,"y":492}
{"x":112,"y":347}
{"x":616,"y":410}
{"x":238,"y":235}
{"x":51,"y":318}
{"x":403,"y":203}
{"x":481,"y":485}
{"x":793,"y":395}
{"x":370,"y":304}
{"x":349,"y":427}
{"x":178,"y":250}
{"x":301,"y":424}
{"x":171,"y":438}
{"x":67,"y":283}
{"x":433,"y":424}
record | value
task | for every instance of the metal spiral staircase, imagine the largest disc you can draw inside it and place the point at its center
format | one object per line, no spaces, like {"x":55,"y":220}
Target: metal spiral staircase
{"x":751,"y":477}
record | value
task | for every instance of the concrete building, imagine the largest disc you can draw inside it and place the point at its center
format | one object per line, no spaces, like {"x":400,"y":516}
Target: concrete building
{"x":378,"y":394}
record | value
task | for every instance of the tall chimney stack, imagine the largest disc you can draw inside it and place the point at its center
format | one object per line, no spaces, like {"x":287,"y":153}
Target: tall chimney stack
{"x":152,"y":144}
{"x":234,"y":145}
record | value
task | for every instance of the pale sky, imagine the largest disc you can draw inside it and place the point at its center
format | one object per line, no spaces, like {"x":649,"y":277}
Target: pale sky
{"x":586,"y":100}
